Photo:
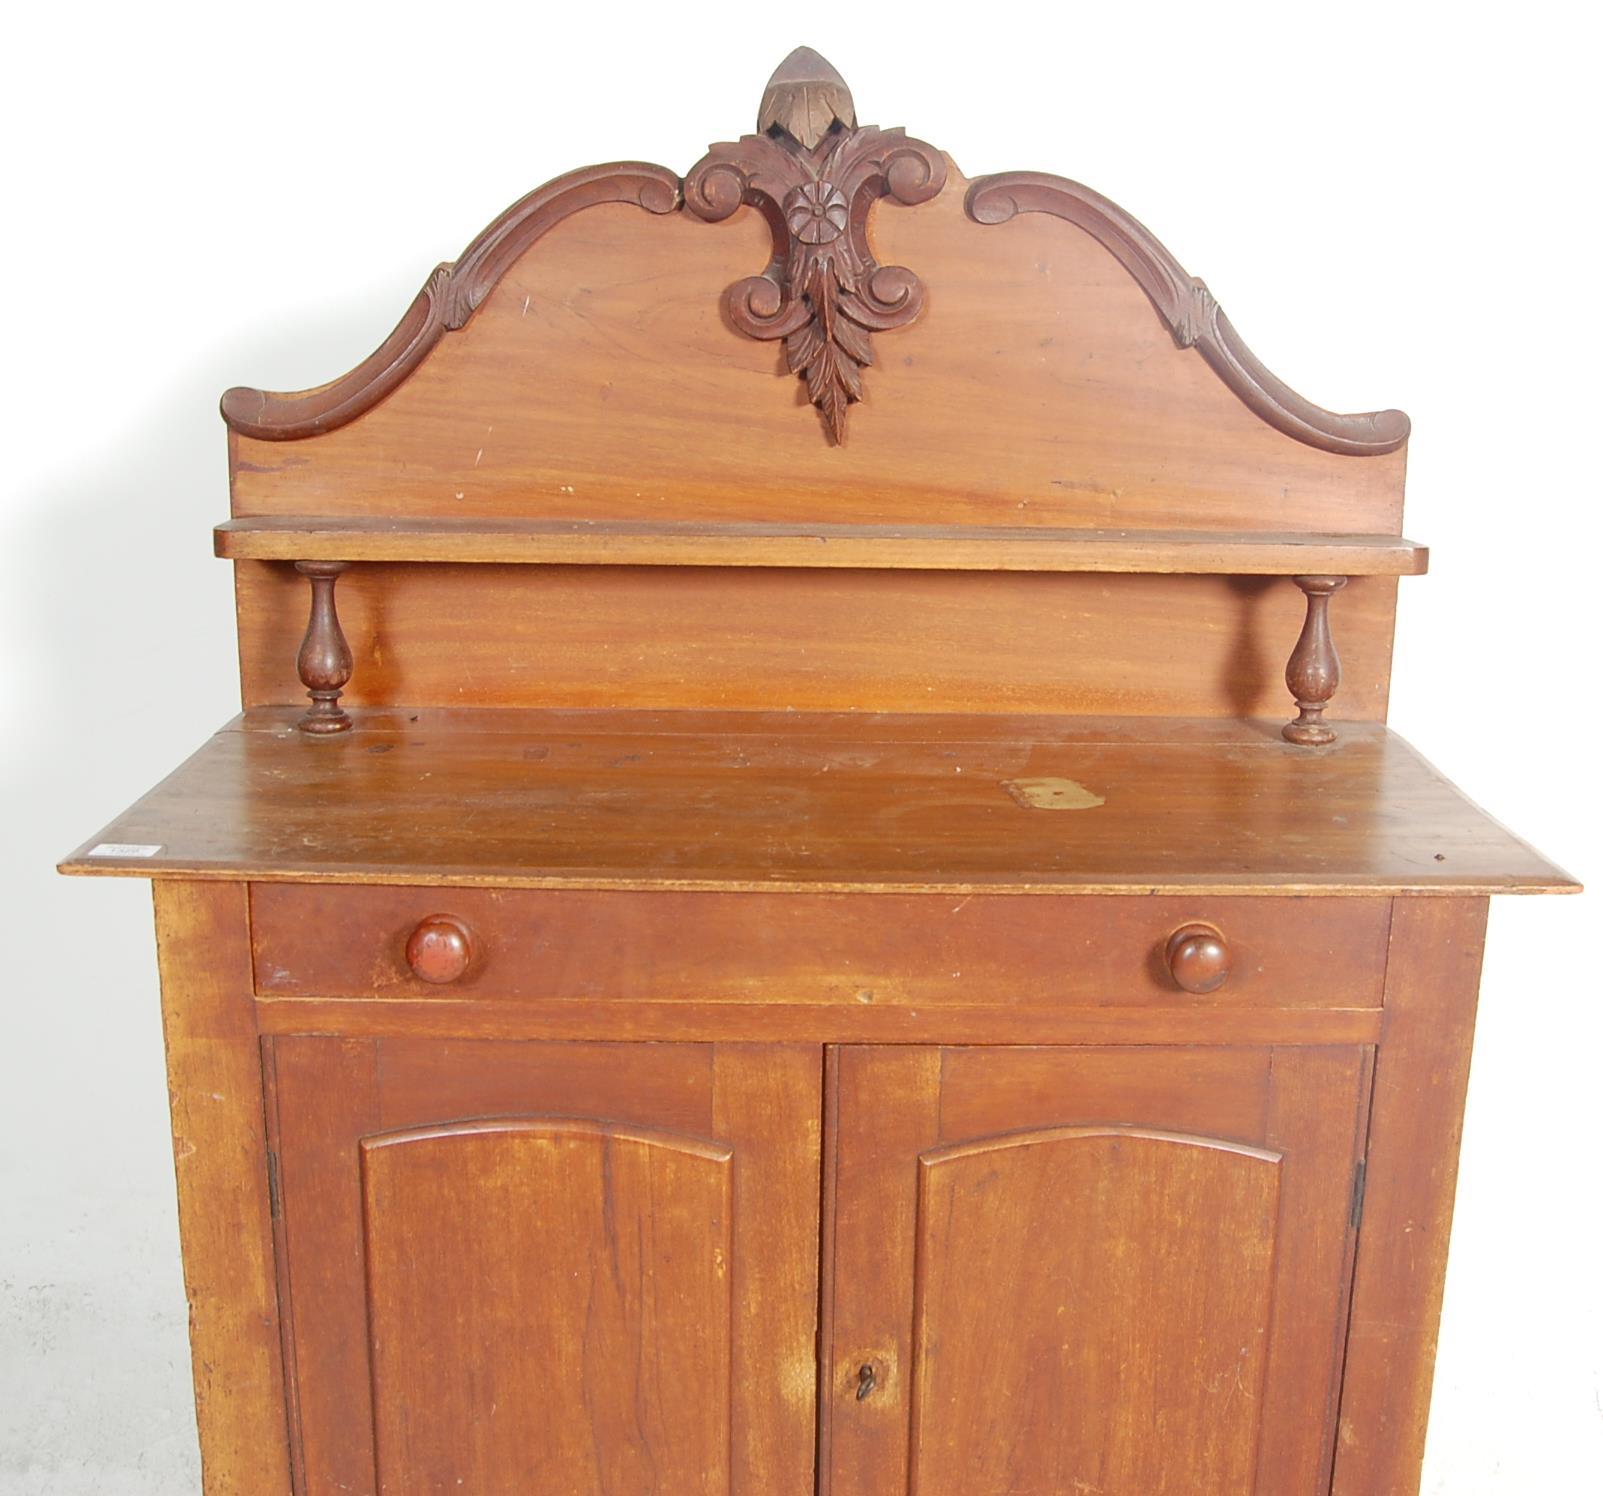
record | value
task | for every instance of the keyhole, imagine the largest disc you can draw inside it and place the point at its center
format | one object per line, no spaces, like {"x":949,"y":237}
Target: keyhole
{"x":865,"y":1380}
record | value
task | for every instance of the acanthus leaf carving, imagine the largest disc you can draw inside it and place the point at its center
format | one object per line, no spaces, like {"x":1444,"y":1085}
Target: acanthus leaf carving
{"x":815,"y":179}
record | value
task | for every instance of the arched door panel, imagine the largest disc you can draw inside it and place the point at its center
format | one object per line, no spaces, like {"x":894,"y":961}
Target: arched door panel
{"x":1133,"y":1273}
{"x":1087,"y":1270}
{"x":537,"y":1289}
{"x":607,"y":1286}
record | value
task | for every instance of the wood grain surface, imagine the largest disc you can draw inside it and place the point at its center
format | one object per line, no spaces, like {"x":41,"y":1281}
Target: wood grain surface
{"x":632,"y":1228}
{"x":1421,"y":1076}
{"x":896,"y":547}
{"x":1058,"y":1343}
{"x":1188,"y":308}
{"x":599,"y":407}
{"x":813,"y":640}
{"x":512,"y":1234}
{"x":601,"y":379}
{"x":989,"y":1019}
{"x":214,"y":1080}
{"x":1091,"y":1267}
{"x":818,"y":803}
{"x":573,"y":945}
{"x":447,"y":301}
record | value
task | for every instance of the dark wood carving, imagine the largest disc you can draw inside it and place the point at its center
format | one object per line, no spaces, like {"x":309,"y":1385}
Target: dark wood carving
{"x":1188,"y":307}
{"x":448,"y":299}
{"x":1314,"y":670}
{"x":325,"y":662}
{"x":814,"y":175}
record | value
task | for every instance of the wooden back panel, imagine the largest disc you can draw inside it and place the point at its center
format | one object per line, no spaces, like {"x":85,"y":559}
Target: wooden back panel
{"x":586,"y":364}
{"x":566,"y":636}
{"x":600,"y":380}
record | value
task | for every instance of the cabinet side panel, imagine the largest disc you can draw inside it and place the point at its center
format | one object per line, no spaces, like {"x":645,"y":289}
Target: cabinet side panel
{"x":214,"y":1080}
{"x":1421,"y":1072}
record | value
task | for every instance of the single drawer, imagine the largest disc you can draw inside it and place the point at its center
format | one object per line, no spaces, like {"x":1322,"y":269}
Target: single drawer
{"x":988,"y":949}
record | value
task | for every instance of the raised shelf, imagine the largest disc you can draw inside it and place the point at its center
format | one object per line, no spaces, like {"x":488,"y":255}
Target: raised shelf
{"x":894,"y":547}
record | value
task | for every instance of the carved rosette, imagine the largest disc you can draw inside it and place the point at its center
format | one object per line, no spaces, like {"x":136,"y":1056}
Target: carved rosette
{"x":814,"y":175}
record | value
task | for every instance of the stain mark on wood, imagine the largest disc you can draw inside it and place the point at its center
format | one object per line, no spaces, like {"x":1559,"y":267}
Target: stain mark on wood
{"x":1052,"y":794}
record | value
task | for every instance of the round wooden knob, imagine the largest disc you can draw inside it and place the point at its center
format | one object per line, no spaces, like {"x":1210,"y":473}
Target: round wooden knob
{"x":1199,"y":959}
{"x":440,"y":949}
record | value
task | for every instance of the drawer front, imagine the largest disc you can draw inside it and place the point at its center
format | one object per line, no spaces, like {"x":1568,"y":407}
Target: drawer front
{"x":1006,"y":950}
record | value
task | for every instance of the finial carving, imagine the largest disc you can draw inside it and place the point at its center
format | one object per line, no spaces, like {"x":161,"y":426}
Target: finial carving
{"x":804,"y":98}
{"x":814,"y":175}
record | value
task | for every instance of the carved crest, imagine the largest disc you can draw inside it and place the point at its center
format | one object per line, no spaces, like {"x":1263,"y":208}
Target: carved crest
{"x":814,"y":175}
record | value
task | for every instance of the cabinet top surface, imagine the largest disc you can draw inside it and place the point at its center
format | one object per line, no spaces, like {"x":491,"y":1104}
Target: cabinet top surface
{"x":816,"y":801}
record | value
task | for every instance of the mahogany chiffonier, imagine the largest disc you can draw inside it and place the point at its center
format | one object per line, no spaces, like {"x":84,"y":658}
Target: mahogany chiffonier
{"x":795,"y":947}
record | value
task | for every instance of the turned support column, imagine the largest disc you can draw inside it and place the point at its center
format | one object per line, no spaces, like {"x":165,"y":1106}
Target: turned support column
{"x":325,"y":659}
{"x":1314,"y":669}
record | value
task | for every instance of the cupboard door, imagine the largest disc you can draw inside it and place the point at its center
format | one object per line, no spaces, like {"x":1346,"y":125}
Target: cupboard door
{"x":1111,"y":1271}
{"x":548,"y":1269}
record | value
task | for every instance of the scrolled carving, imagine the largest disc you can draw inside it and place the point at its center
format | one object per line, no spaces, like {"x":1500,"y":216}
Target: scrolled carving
{"x":814,"y":175}
{"x":448,"y":299}
{"x":1188,"y":308}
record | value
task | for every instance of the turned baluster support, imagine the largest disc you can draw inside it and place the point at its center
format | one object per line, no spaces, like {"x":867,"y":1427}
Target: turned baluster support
{"x":1314,"y":670}
{"x":325,"y":659}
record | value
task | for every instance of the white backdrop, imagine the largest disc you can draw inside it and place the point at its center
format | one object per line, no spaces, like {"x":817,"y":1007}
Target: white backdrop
{"x":1395,"y":202}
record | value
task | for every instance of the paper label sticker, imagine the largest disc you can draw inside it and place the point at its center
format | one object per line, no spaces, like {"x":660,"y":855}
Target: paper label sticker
{"x":123,"y":849}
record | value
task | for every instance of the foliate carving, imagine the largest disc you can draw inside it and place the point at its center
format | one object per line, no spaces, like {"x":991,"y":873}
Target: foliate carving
{"x":814,"y":175}
{"x":1195,"y":315}
{"x":449,"y":298}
